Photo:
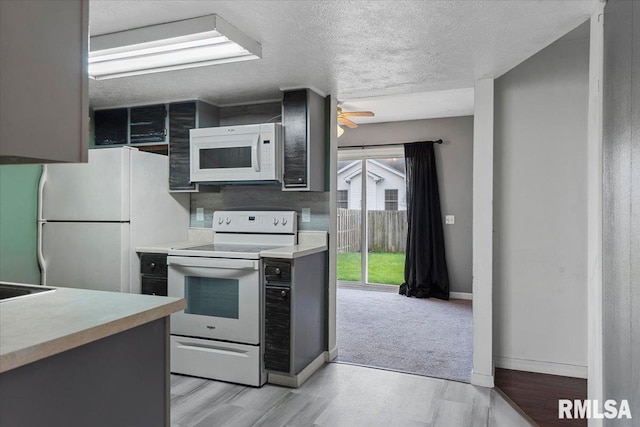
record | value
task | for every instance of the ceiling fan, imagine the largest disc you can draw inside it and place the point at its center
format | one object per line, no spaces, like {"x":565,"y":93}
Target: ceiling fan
{"x":343,"y":118}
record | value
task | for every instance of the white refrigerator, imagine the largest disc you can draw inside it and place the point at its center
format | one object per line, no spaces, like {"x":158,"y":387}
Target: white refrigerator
{"x":92,"y":216}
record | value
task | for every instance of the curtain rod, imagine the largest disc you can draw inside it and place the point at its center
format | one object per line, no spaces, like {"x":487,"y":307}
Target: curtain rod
{"x":399,"y":144}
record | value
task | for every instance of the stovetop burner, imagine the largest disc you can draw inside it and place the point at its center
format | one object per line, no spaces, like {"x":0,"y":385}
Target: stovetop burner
{"x":245,"y":234}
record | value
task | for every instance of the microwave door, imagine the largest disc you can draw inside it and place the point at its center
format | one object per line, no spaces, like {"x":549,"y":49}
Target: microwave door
{"x":229,"y":158}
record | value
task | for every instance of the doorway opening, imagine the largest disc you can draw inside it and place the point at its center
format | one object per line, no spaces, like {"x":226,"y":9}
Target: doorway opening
{"x":376,"y":326}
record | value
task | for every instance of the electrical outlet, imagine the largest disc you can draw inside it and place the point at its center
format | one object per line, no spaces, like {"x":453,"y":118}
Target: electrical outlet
{"x":306,"y":215}
{"x":449,"y":219}
{"x":199,"y":214}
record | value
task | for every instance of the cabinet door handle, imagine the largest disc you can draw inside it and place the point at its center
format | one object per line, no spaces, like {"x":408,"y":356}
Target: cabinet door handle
{"x":283,"y":294}
{"x":152,"y":265}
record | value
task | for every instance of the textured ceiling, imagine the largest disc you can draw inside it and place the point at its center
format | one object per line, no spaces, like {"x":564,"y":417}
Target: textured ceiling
{"x":350,"y":49}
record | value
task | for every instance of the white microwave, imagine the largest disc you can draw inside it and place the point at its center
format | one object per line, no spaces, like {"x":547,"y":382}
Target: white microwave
{"x":249,"y":153}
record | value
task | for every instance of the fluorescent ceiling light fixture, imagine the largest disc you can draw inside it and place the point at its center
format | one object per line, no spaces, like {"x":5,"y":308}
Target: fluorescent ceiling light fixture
{"x":189,"y":43}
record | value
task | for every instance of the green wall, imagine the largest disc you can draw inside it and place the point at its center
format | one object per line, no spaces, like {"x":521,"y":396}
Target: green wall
{"x":18,"y":223}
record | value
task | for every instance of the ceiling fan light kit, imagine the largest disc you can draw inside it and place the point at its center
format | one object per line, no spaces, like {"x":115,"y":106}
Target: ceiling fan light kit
{"x":196,"y":42}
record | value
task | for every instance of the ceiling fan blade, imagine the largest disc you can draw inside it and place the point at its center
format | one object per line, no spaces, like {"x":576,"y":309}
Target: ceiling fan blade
{"x":347,"y":122}
{"x":358,"y":114}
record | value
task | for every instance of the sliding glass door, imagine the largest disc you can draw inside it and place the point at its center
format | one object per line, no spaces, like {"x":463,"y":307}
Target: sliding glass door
{"x":379,"y":175}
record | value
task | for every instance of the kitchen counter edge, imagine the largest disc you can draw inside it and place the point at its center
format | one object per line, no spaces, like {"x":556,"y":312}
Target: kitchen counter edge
{"x":28,"y":317}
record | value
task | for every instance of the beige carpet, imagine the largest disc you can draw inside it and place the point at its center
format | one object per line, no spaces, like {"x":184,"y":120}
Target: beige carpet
{"x":422,"y":336}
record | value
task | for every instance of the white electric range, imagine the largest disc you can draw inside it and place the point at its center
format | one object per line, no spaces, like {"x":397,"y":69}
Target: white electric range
{"x":220,"y":333}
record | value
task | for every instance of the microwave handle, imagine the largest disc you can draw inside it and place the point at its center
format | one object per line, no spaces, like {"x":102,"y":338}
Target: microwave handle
{"x":255,"y":160}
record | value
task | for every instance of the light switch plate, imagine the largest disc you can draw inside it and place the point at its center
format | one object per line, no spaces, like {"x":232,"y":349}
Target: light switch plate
{"x":306,"y":215}
{"x":449,"y":219}
{"x":199,"y":214}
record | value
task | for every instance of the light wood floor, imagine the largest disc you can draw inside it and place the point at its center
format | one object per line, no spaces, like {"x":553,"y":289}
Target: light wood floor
{"x":340,"y":395}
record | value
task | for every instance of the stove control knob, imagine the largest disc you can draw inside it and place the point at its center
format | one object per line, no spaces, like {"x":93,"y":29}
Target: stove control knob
{"x":284,"y":221}
{"x":228,"y":220}
{"x":220,"y":220}
{"x":275,"y":221}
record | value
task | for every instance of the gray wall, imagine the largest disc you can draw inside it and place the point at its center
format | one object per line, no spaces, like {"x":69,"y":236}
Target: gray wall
{"x":540,"y":210}
{"x":262,"y":197}
{"x":454,"y":160}
{"x":621,"y":200}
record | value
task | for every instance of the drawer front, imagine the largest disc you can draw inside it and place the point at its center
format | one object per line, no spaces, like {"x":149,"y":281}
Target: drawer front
{"x":217,"y":360}
{"x":277,"y":271}
{"x":277,"y":334}
{"x":153,"y":265}
{"x":154,"y":285}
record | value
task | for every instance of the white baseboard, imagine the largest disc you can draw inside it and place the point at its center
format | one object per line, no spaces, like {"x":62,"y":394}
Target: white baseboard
{"x":482,"y":380}
{"x":331,"y":354}
{"x":553,"y":368}
{"x":296,"y":381}
{"x":461,"y":295}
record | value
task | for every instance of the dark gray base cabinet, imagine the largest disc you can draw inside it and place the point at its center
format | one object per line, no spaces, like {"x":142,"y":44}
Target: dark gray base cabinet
{"x":277,"y":329}
{"x":295,"y":312}
{"x":153,"y":271}
{"x":121,"y":380}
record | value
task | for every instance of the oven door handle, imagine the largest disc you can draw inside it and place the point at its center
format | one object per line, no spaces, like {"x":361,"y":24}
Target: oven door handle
{"x":228,"y":264}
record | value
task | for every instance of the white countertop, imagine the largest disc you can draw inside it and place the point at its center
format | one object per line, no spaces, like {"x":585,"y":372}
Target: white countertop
{"x":164,"y":248}
{"x":44,"y":324}
{"x":309,"y":242}
{"x":296,"y":251}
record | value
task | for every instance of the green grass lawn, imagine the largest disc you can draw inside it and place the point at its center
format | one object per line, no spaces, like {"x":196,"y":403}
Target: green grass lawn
{"x":384,"y":267}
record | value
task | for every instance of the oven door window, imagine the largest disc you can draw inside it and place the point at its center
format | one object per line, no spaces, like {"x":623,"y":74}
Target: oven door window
{"x":213,"y":297}
{"x":223,"y":158}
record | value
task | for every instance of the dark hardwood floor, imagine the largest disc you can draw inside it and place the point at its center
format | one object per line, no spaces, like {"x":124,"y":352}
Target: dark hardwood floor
{"x":537,"y":394}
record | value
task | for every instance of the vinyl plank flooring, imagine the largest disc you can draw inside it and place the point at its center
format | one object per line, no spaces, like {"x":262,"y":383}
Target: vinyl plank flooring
{"x":261,"y":399}
{"x":456,"y":414}
{"x":192,"y":407}
{"x":504,"y":413}
{"x":294,"y":410}
{"x":225,"y":415}
{"x":335,"y":396}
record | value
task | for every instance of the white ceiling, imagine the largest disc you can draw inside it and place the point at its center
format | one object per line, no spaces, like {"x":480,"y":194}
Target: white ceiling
{"x":401,"y":59}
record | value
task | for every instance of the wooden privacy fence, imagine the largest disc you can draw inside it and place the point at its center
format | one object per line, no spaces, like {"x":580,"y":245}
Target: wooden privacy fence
{"x":348,"y":230}
{"x":387,"y":230}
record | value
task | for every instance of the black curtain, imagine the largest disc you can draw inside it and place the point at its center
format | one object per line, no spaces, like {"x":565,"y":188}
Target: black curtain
{"x":425,"y":267}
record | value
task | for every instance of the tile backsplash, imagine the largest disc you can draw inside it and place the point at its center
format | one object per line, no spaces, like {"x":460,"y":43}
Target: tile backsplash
{"x":262,"y":197}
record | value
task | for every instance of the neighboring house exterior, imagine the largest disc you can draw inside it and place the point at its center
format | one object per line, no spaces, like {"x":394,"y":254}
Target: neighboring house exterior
{"x":386,"y":189}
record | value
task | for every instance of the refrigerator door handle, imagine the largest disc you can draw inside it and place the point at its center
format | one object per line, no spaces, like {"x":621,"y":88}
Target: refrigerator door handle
{"x":41,"y":221}
{"x":41,"y":184}
{"x":41,"y":261}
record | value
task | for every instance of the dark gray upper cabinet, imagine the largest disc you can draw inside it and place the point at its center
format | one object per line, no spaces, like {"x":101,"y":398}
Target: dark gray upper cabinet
{"x":110,"y":126}
{"x":303,"y":120}
{"x":182,"y":117}
{"x":148,"y":124}
{"x":144,"y":125}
